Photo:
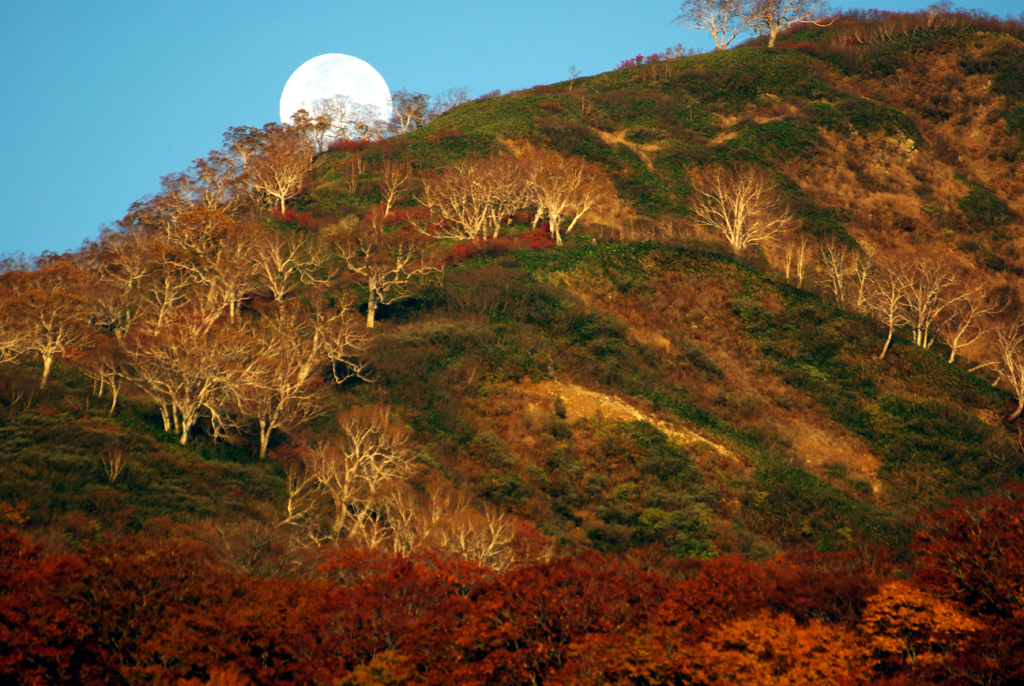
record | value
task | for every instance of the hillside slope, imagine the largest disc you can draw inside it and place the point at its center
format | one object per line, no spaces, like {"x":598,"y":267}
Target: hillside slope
{"x":642,"y":385}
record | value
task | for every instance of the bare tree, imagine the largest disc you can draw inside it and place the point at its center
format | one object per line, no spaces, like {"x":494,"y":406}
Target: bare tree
{"x":862,"y":269}
{"x":114,"y":461}
{"x":291,"y":344}
{"x":285,"y":262}
{"x":448,"y":100}
{"x":886,"y":301}
{"x":189,"y":368}
{"x":723,"y":19}
{"x":354,"y":470}
{"x":230,"y":273}
{"x":772,"y":16}
{"x":797,"y":258}
{"x":149,"y":374}
{"x":564,"y":186}
{"x":485,"y":537}
{"x":395,"y":177}
{"x":334,"y":114}
{"x":1010,"y":339}
{"x":11,"y":343}
{"x":277,"y":161}
{"x":404,"y":518}
{"x":468,"y":199}
{"x":278,"y":385}
{"x":353,"y":489}
{"x":351,"y":169}
{"x":966,"y":320}
{"x":326,"y":120}
{"x":741,"y":204}
{"x":574,"y":74}
{"x":388,"y":263}
{"x":123,"y":263}
{"x":367,"y":122}
{"x":928,"y":291}
{"x":213,"y":183}
{"x":166,"y":286}
{"x":409,"y":110}
{"x":108,"y":366}
{"x":508,"y":190}
{"x":318,"y":129}
{"x":340,"y":340}
{"x":835,"y":260}
{"x":215,"y":260}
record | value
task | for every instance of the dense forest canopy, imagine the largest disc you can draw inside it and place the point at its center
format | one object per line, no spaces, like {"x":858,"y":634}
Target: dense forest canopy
{"x":706,"y":369}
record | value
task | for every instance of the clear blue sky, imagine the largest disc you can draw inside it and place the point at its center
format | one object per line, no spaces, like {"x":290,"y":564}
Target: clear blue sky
{"x":98,"y":100}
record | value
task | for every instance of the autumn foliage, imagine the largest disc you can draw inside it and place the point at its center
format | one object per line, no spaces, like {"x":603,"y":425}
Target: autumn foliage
{"x":169,"y":607}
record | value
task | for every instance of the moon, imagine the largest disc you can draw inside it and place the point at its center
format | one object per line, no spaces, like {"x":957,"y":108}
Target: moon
{"x":335,"y":74}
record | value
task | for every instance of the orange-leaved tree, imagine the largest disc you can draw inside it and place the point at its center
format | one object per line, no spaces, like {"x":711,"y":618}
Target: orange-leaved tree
{"x":974,"y":553}
{"x":277,"y":159}
{"x":46,"y":312}
{"x":910,"y":624}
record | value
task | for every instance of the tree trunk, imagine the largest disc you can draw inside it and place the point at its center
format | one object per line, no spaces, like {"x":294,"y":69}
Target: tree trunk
{"x":186,"y":426}
{"x":115,"y":388}
{"x":572,"y":224}
{"x":1017,"y":412}
{"x":265,"y":430}
{"x":556,"y":229}
{"x":371,"y":313}
{"x":47,"y":365}
{"x":371,"y":308}
{"x":885,"y":348}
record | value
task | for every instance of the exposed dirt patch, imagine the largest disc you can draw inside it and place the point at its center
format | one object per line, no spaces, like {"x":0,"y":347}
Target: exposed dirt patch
{"x":775,"y":111}
{"x":583,"y":403}
{"x":724,"y":136}
{"x":820,"y":449}
{"x":650,"y":337}
{"x":641,"y":149}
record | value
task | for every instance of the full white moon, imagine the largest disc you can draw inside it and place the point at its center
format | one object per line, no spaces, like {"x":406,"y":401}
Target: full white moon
{"x":335,"y":74}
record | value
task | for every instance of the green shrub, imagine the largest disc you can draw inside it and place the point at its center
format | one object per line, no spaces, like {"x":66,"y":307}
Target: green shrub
{"x":1005,"y":63}
{"x":504,"y":490}
{"x":643,"y":134}
{"x":786,"y":137}
{"x":867,"y":116}
{"x":570,"y":138}
{"x":447,"y":147}
{"x":1015,"y":120}
{"x":982,"y":207}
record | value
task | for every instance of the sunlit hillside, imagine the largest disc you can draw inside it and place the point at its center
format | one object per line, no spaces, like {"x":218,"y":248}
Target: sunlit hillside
{"x":526,"y":374}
